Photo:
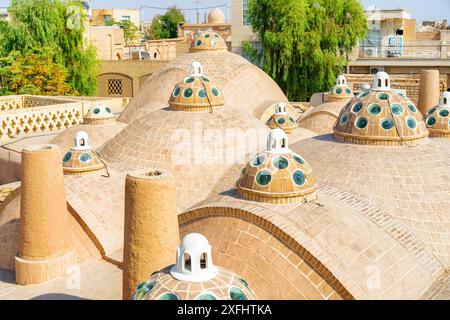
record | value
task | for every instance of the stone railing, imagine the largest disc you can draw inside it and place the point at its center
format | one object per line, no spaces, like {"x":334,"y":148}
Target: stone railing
{"x":28,"y":101}
{"x":32,"y":118}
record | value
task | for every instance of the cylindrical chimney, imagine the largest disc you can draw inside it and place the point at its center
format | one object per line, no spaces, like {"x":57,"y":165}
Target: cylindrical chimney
{"x":151,"y":226}
{"x":45,"y":248}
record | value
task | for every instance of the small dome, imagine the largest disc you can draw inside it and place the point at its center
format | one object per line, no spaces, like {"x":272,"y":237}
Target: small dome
{"x":281,"y":119}
{"x":380,"y":116}
{"x":208,"y":41}
{"x":82,"y":158}
{"x":437,"y":118}
{"x":216,"y":16}
{"x":277,"y":175}
{"x":99,"y":114}
{"x":196,"y":93}
{"x":194,"y":261}
{"x":194,"y":277}
{"x":341,"y":91}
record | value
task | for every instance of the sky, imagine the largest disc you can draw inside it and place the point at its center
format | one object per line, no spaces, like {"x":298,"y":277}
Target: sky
{"x":420,"y":9}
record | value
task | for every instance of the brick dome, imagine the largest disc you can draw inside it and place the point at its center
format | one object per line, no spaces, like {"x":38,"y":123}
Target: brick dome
{"x":281,"y":119}
{"x":208,"y":41}
{"x":194,"y":277}
{"x":437,"y":118}
{"x":277,"y":175}
{"x":196,"y":93}
{"x":380,"y":116}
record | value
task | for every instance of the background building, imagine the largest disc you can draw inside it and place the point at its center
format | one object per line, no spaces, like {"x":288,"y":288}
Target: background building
{"x":102,"y":16}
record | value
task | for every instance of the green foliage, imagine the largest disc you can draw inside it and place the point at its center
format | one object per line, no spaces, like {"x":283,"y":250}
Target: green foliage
{"x":130,"y":30}
{"x":34,"y":73}
{"x":58,"y":26}
{"x":166,"y":26}
{"x":304,"y":42}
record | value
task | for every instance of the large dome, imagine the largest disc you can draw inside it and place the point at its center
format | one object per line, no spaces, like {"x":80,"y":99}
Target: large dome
{"x":412,"y":184}
{"x":245,"y":86}
{"x":380,"y":116}
{"x":197,"y":147}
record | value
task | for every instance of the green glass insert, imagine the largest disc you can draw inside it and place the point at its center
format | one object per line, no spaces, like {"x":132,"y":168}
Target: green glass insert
{"x":357,"y":107}
{"x":364,"y":94}
{"x":263,"y":177}
{"x":361,"y":123}
{"x":198,"y":42}
{"x":96,"y":110}
{"x":348,"y":91}
{"x":383,"y":96}
{"x":245,"y":283}
{"x":338,"y":90}
{"x":67,"y":156}
{"x":299,"y":178}
{"x":176,"y":91}
{"x":281,"y":121}
{"x":259,"y":160}
{"x":84,"y":157}
{"x":444,"y":113}
{"x":237,"y":294}
{"x":344,"y":119}
{"x":387,"y":124}
{"x":411,"y":123}
{"x":412,"y":107}
{"x":207,"y":35}
{"x":206,"y":296}
{"x":169,"y":296}
{"x":291,"y":120}
{"x":205,"y":79}
{"x":143,"y":289}
{"x":397,"y":109}
{"x":299,"y":159}
{"x":108,"y":110}
{"x":281,"y":163}
{"x":187,"y":93}
{"x":432,"y":110}
{"x":202,"y":93}
{"x":189,"y":80}
{"x":431,"y":121}
{"x":215,"y":92}
{"x":374,"y":109}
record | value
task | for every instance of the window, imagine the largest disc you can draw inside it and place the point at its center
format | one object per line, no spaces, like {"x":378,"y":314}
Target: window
{"x":187,"y":262}
{"x":203,"y":260}
{"x":126,"y":18}
{"x":115,"y":86}
{"x":107,"y":18}
{"x":245,"y":15}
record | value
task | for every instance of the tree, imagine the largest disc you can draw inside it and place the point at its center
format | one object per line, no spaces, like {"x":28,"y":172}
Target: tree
{"x":58,"y":26}
{"x":304,"y":42}
{"x":130,"y":30}
{"x":34,"y":73}
{"x":166,"y":26}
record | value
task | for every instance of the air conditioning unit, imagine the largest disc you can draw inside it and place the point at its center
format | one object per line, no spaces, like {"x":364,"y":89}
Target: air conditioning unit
{"x":375,"y":70}
{"x":371,"y":52}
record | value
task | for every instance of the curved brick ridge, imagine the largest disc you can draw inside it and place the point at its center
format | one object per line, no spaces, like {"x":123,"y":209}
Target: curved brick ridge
{"x":410,"y":183}
{"x":97,"y":204}
{"x":338,"y":238}
{"x":391,"y":225}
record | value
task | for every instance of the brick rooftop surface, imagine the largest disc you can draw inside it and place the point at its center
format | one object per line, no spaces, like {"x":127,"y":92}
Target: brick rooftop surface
{"x":411,"y":184}
{"x":98,"y":280}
